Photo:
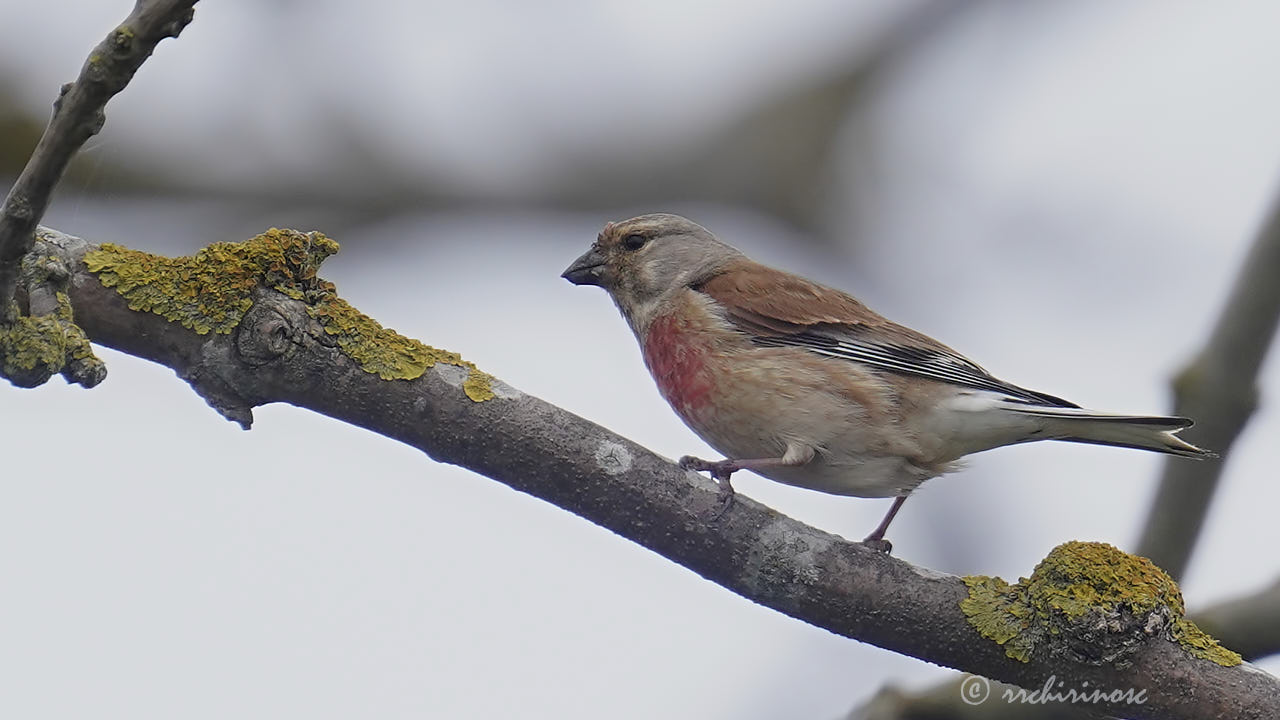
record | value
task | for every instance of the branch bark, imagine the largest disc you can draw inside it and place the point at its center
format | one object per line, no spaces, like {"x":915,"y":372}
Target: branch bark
{"x":1249,"y":625}
{"x":283,"y":348}
{"x":1218,"y":389}
{"x":78,"y":114}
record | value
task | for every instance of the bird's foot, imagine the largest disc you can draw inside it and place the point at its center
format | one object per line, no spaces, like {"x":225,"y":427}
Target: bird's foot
{"x":721,"y":471}
{"x":879,"y":544}
{"x":876,"y":540}
{"x":724,"y":496}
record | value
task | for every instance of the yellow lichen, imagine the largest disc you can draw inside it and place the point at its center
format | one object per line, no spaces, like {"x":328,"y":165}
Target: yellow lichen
{"x":479,"y":385}
{"x":212,"y":290}
{"x":33,"y":349}
{"x":1101,"y":602}
{"x":998,"y":611}
{"x":1202,"y":645}
{"x":387,"y":353}
{"x":32,"y":344}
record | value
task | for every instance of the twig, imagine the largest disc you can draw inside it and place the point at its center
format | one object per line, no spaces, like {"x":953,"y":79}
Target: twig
{"x":78,"y":114}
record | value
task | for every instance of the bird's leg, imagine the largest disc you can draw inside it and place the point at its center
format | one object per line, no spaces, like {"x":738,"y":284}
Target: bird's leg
{"x":876,"y":539}
{"x":721,"y":470}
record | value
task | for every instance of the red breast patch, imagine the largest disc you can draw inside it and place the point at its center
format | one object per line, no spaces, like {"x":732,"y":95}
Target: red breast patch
{"x":678,"y":364}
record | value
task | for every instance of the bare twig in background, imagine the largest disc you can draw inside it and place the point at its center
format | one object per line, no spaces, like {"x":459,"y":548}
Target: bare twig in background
{"x":1218,"y":389}
{"x":78,"y":115}
{"x":944,"y":703}
{"x":773,"y":157}
{"x":1249,"y":625}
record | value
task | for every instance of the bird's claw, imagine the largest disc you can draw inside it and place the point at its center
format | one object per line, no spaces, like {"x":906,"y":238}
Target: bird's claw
{"x":720,"y":471}
{"x":724,"y":497}
{"x":697,"y":464}
{"x":879,"y":545}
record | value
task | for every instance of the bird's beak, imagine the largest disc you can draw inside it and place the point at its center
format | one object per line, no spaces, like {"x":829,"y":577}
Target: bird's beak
{"x":587,"y":269}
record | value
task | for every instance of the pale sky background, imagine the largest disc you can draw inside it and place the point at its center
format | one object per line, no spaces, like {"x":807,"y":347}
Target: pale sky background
{"x":1062,"y":192}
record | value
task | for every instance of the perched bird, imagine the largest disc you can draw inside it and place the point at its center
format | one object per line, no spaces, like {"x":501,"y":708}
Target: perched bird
{"x":805,"y":385}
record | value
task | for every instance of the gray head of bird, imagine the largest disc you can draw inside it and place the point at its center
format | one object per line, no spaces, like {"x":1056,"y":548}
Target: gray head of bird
{"x":642,"y":261}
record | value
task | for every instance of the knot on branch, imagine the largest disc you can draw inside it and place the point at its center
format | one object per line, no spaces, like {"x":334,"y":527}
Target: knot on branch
{"x":177,"y":24}
{"x":46,"y":341}
{"x":33,"y":349}
{"x":1089,"y":602}
{"x":267,"y":332}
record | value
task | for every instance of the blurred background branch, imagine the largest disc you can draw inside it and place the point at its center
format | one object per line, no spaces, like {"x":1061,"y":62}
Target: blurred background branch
{"x":773,"y":155}
{"x":1218,"y":388}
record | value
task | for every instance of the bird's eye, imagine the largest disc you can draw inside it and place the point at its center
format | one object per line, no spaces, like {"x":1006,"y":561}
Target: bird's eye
{"x":634,"y":242}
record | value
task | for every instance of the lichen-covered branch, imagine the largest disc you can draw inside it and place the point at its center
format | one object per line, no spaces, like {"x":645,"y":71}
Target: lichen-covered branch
{"x":1218,"y":389}
{"x":78,"y":114}
{"x":251,"y":323}
{"x":1249,"y":625}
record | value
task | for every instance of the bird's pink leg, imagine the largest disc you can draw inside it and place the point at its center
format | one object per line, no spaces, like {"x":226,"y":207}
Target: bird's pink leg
{"x":876,"y":538}
{"x":721,"y":470}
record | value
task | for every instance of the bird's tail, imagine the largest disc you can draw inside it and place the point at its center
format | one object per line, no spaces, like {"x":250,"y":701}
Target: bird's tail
{"x":1155,"y":433}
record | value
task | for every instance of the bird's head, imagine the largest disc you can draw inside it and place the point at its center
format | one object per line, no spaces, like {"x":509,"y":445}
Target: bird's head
{"x":646,"y":259}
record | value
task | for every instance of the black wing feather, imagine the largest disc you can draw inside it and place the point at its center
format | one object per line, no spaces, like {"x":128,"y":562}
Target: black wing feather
{"x":906,"y":360}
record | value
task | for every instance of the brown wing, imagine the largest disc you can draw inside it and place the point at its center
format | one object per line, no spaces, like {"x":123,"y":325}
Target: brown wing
{"x":755,"y":294}
{"x":779,"y":309}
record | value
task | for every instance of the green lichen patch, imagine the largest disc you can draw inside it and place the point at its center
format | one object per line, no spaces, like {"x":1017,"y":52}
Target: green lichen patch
{"x":1000,"y":613}
{"x":211,"y":291}
{"x":33,"y":349}
{"x":1089,"y":601}
{"x":1202,"y":645}
{"x":123,"y":36}
{"x":387,"y":353}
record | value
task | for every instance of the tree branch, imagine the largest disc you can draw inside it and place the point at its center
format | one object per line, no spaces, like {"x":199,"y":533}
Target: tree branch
{"x":1218,"y":389}
{"x":1249,"y":625}
{"x":78,"y":114}
{"x":248,"y":324}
